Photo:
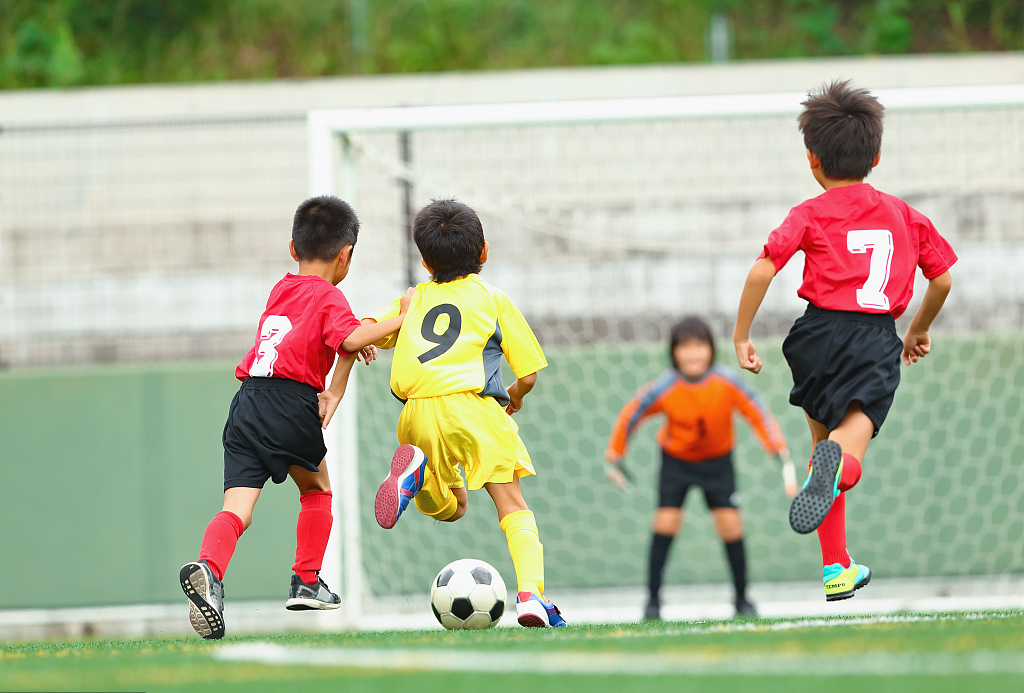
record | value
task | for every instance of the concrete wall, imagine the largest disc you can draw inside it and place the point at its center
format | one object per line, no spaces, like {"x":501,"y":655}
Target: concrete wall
{"x":273,"y":98}
{"x":148,"y":223}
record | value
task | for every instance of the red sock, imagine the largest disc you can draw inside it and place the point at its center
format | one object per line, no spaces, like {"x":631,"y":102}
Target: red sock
{"x":311,"y":534}
{"x":851,"y":472}
{"x":219,"y":541}
{"x":832,"y":534}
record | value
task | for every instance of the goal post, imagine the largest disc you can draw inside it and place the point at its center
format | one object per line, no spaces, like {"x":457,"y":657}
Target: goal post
{"x":338,"y":122}
{"x":607,"y":220}
{"x":332,"y":172}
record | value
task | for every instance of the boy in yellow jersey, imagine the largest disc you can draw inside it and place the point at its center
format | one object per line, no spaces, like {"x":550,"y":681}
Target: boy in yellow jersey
{"x":447,"y":370}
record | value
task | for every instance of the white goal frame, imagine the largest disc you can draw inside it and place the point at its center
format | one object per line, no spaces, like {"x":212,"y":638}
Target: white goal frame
{"x":332,"y":170}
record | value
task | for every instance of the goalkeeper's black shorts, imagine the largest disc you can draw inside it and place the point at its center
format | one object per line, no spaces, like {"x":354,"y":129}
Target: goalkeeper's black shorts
{"x":715,"y":477}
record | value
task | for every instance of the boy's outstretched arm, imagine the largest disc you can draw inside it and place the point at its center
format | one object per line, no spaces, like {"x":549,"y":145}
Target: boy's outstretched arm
{"x":756,"y":286}
{"x":917,"y":343}
{"x":519,"y":389}
{"x":369,"y":332}
{"x":331,"y":397}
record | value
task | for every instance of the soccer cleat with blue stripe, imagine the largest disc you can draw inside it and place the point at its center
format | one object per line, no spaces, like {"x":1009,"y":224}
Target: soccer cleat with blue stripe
{"x":841,"y":583}
{"x":537,"y":612}
{"x":812,"y":504}
{"x":408,"y":470}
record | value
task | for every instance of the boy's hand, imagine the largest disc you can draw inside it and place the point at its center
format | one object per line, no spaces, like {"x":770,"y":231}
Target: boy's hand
{"x":747,"y":356}
{"x":916,"y":345}
{"x":788,"y":473}
{"x":616,"y":477}
{"x":515,"y":402}
{"x":328,"y":402}
{"x":367,"y":354}
{"x":518,"y":390}
{"x":403,"y":305}
{"x":616,"y":471}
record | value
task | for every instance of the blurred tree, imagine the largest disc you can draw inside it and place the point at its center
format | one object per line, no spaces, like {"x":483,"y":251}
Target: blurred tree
{"x":44,"y":54}
{"x":72,"y":42}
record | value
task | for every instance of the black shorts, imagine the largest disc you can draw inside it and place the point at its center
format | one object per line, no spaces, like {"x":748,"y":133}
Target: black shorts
{"x":715,"y":477}
{"x":837,"y":357}
{"x":273,"y":423}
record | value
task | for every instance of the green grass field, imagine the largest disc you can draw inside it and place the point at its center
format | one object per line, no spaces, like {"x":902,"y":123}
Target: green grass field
{"x":947,"y":652}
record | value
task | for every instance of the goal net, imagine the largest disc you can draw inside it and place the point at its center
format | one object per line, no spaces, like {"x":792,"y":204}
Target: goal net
{"x":609,"y":220}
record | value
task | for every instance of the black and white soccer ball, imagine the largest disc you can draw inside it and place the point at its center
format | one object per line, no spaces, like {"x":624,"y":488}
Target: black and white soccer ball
{"x":468,"y":594}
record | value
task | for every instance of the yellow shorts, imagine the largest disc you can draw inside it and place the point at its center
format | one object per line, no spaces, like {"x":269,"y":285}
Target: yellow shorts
{"x":462,"y":429}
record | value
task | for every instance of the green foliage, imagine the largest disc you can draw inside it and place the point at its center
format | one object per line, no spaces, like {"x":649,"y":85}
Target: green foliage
{"x":80,"y":42}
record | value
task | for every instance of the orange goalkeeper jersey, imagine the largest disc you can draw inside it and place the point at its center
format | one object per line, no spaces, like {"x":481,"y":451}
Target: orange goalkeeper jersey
{"x":698,"y":415}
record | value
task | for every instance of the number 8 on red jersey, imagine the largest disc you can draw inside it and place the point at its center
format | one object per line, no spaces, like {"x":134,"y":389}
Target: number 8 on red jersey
{"x":275,"y":327}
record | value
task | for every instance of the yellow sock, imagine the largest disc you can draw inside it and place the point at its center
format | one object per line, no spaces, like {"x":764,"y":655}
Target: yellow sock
{"x":526,"y":550}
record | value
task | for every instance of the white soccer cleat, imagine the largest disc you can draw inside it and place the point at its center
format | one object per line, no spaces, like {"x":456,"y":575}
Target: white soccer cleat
{"x":534,"y":611}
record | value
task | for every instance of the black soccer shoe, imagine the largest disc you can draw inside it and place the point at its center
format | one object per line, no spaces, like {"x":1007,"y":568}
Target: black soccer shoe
{"x":304,"y":596}
{"x":745,"y":609}
{"x":811,"y":505}
{"x":205,"y":599}
{"x":652,"y":612}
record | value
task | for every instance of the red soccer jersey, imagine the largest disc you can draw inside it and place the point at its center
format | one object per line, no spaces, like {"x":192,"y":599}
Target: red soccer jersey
{"x":301,"y":330}
{"x":861,"y":249}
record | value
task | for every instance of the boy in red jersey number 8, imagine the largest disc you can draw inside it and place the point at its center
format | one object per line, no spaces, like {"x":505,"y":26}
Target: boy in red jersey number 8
{"x":274,"y":424}
{"x":861,"y":250}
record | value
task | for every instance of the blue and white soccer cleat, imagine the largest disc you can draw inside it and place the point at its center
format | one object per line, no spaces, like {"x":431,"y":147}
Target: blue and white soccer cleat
{"x":408,"y":470}
{"x":537,"y":612}
{"x":813,"y":503}
{"x":841,"y":583}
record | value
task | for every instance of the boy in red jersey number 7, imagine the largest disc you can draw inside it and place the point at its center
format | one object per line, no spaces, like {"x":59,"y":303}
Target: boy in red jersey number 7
{"x":861,"y":250}
{"x":274,"y":424}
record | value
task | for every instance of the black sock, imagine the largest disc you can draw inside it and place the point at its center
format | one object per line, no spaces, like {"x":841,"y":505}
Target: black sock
{"x":660,"y":544}
{"x":738,"y":565}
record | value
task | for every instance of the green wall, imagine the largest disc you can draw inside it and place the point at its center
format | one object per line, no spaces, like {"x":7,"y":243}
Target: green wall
{"x":110,"y":475}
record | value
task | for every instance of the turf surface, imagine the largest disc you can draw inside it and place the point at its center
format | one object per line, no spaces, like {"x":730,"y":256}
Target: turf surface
{"x":950,"y":652}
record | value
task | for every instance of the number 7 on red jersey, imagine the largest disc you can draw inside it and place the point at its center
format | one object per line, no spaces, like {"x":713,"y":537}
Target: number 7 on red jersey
{"x":879,"y":243}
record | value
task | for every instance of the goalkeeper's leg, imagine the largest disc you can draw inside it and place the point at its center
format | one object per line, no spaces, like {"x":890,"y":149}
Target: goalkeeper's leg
{"x":666,"y":525}
{"x":729,"y":527}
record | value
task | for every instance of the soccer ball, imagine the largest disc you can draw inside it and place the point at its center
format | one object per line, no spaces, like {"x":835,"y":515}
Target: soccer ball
{"x":468,"y":594}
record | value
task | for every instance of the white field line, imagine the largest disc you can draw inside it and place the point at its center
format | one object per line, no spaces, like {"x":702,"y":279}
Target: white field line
{"x":761,"y":627}
{"x":633,"y":664}
{"x":597,"y":610}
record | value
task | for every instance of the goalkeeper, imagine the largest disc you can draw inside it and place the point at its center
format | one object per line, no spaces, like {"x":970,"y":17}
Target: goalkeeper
{"x":698,"y":398}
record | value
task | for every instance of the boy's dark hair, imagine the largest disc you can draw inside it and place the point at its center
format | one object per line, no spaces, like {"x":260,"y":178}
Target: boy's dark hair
{"x":842,"y":126}
{"x":690,"y":327}
{"x":322,"y":226}
{"x":450,"y":238}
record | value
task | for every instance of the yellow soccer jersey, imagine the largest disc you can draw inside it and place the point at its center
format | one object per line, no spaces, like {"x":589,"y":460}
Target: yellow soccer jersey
{"x":452,"y":340}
